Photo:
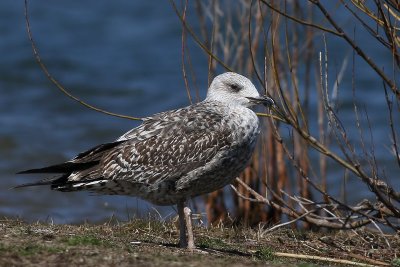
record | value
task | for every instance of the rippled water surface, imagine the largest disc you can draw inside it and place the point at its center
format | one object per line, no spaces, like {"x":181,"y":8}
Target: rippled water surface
{"x":123,"y":56}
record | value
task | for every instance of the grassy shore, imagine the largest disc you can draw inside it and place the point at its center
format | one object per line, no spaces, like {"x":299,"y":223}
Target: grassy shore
{"x":153,"y":243}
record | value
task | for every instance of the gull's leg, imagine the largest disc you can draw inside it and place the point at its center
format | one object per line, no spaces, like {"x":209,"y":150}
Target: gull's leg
{"x":188,"y":219}
{"x":182,"y":225}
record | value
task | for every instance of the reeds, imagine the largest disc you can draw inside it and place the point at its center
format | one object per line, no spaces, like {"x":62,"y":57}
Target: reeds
{"x":284,"y":45}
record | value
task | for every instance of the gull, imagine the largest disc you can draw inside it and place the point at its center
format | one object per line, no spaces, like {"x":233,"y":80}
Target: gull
{"x":174,"y":155}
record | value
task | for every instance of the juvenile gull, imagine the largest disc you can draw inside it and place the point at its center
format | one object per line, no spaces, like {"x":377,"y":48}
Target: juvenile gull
{"x":174,"y":155}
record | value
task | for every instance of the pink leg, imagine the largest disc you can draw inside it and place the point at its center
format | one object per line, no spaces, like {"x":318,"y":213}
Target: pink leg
{"x":188,"y":219}
{"x":185,"y":224}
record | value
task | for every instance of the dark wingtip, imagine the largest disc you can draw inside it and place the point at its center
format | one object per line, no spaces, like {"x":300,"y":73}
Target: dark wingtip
{"x":47,"y":181}
{"x":61,"y":168}
{"x":65,"y":167}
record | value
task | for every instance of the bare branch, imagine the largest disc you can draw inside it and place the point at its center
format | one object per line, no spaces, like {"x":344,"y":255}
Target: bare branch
{"x":56,"y":83}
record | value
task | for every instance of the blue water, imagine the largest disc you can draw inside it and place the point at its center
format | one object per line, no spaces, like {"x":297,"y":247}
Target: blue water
{"x":122,"y":56}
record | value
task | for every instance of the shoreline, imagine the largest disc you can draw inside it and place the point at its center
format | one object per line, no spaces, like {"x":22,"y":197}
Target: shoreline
{"x":154,"y":243}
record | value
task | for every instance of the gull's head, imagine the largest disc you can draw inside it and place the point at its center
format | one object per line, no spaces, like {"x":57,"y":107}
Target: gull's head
{"x":234,"y":89}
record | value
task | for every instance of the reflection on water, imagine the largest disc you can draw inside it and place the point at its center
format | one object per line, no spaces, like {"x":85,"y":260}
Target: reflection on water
{"x":123,"y":56}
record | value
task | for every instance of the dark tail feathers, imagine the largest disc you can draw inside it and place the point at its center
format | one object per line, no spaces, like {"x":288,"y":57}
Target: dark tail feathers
{"x":47,"y":181}
{"x":66,"y":167}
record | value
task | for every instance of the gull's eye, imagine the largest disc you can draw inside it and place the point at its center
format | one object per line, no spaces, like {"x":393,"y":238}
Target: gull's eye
{"x":235,"y":87}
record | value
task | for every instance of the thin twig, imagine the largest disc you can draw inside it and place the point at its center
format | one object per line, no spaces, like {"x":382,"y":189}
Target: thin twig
{"x":297,"y":20}
{"x":196,"y":39}
{"x":325,"y":259}
{"x":183,"y":44}
{"x":56,"y":83}
{"x":356,"y":48}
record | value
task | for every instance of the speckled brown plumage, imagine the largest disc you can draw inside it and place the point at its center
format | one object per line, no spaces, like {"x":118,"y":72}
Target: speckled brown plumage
{"x":174,"y":155}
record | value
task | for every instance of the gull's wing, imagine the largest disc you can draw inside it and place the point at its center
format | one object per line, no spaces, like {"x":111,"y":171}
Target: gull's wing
{"x":166,"y":146}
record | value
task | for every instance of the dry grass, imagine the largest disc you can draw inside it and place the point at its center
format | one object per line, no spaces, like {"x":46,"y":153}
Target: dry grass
{"x":152,"y":243}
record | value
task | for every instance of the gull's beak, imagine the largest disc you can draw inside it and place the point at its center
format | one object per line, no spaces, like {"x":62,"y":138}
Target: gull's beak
{"x":265,"y":100}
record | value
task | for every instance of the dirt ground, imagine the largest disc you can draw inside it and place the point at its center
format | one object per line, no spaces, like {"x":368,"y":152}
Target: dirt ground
{"x":153,"y":243}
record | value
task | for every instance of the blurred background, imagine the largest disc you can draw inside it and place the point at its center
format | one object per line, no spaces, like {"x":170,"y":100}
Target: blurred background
{"x":125,"y":57}
{"x":122,"y":56}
